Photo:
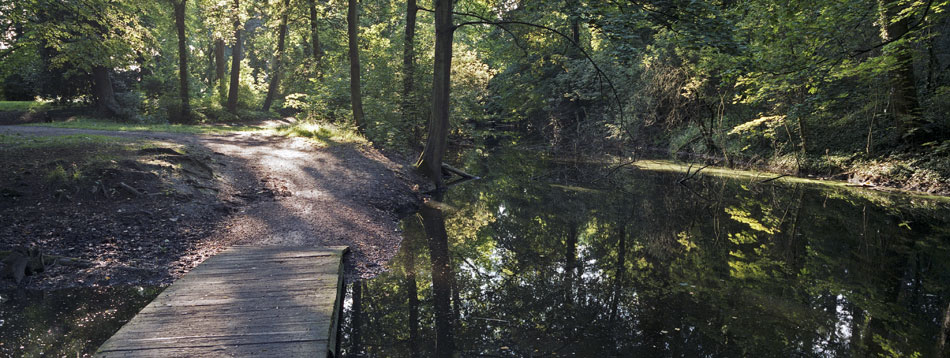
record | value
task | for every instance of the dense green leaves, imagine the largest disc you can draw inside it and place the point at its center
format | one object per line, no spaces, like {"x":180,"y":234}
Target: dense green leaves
{"x":855,"y":79}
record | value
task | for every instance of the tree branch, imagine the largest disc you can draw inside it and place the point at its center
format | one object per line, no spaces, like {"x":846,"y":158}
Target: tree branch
{"x":600,"y":73}
{"x":503,"y":28}
{"x":910,"y":29}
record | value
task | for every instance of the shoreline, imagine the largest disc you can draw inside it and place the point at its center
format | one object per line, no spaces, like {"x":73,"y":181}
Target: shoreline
{"x":197,"y":194}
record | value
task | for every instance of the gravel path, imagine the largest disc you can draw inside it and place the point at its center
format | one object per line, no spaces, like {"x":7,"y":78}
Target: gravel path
{"x":287,"y":191}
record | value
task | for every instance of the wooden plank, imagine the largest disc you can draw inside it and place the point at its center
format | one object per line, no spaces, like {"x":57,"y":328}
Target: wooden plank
{"x":244,"y":302}
{"x":282,"y":349}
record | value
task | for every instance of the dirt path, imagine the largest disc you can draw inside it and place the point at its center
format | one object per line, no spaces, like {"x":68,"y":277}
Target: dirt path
{"x":287,"y":191}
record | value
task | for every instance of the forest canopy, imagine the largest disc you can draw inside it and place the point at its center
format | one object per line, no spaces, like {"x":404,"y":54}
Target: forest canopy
{"x":810,"y":87}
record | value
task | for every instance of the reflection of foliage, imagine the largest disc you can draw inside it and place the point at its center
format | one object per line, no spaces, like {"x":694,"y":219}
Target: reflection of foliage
{"x":648,"y":269}
{"x":66,"y":323}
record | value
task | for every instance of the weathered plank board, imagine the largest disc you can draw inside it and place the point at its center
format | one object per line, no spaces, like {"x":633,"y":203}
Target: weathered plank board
{"x":244,"y":302}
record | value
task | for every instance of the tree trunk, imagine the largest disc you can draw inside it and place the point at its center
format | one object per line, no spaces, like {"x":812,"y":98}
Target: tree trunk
{"x":105,"y":96}
{"x":941,"y":349}
{"x":219,"y":65}
{"x":574,"y":109}
{"x":442,"y":277}
{"x":570,"y":263}
{"x":185,"y":114}
{"x":315,"y":37}
{"x":618,"y":272}
{"x":409,"y":70}
{"x":430,"y":162}
{"x":904,"y":100}
{"x":357,"y":319}
{"x":356,"y":99}
{"x":235,"y":61}
{"x":278,"y":57}
{"x":413,"y":293}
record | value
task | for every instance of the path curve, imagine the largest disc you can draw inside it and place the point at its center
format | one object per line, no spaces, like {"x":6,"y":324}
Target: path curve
{"x":346,"y":194}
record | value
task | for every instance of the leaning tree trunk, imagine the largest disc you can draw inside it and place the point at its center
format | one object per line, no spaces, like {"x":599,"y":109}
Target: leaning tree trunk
{"x":315,"y":37}
{"x":430,"y":162}
{"x":904,"y":99}
{"x":356,"y":98}
{"x":185,"y":114}
{"x":235,"y":62}
{"x":409,"y":70}
{"x":105,"y":96}
{"x":278,"y":57}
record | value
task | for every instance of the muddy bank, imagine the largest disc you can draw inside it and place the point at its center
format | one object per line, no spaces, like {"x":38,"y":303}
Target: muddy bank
{"x":145,"y":208}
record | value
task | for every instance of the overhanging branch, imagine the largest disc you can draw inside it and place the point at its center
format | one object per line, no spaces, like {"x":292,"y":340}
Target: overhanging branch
{"x":501,"y":24}
{"x":600,"y":73}
{"x":503,"y":28}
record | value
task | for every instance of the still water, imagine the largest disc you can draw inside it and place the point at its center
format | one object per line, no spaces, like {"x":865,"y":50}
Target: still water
{"x":548,"y":259}
{"x":66,"y":323}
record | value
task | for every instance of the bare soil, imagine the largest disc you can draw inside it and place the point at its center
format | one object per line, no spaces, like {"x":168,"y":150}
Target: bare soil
{"x":147,"y":215}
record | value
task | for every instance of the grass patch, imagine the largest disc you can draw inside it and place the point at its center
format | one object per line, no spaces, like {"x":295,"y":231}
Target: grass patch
{"x":324,"y":134}
{"x":65,"y":162}
{"x":25,"y":106}
{"x":60,"y":175}
{"x":15,"y":142}
{"x":99,"y":124}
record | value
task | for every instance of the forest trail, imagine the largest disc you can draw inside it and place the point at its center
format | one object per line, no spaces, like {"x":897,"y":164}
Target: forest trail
{"x":286,"y":191}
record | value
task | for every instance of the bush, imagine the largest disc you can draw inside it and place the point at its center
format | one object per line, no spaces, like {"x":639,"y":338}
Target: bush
{"x":15,"y":87}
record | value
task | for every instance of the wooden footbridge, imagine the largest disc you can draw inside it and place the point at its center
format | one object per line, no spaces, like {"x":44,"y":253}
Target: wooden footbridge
{"x":244,"y":302}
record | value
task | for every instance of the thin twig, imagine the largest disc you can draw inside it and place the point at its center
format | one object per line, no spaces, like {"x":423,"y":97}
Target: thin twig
{"x":768,"y":180}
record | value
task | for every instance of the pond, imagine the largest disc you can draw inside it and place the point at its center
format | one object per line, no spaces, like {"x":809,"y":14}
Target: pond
{"x":68,"y":322}
{"x":549,"y":258}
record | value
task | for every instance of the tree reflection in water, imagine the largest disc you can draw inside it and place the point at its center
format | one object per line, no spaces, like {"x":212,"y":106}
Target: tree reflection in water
{"x":646,"y":267}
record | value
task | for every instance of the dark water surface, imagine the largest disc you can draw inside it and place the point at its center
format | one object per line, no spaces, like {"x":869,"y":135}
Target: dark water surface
{"x":528,"y":262}
{"x":66,"y":323}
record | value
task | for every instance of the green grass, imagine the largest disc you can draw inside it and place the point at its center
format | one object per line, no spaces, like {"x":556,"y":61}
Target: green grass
{"x":99,"y":124}
{"x":63,"y":141}
{"x":23,"y":106}
{"x":323,"y":134}
{"x":66,"y":158}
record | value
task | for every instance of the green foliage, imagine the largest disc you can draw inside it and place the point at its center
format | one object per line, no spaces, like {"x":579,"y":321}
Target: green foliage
{"x":758,"y":82}
{"x":324,"y":134}
{"x":26,"y":106}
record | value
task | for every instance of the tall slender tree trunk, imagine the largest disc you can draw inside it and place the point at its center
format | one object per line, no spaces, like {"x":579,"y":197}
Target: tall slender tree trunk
{"x":235,"y":61}
{"x":105,"y":95}
{"x":220,"y":66}
{"x":941,"y":348}
{"x":618,"y":272}
{"x":272,"y":88}
{"x":356,"y":98}
{"x":442,"y":278}
{"x":430,"y":162}
{"x":409,"y":70}
{"x":413,"y":293}
{"x":315,"y":37}
{"x":905,"y":103}
{"x":185,"y":114}
{"x":570,"y":263}
{"x":357,"y":319}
